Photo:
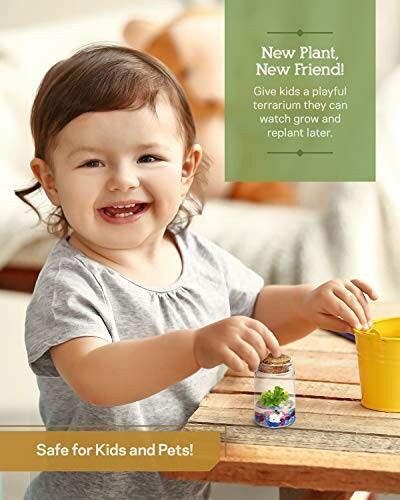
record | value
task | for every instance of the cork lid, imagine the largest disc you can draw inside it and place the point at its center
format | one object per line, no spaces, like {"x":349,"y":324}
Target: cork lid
{"x":271,"y":364}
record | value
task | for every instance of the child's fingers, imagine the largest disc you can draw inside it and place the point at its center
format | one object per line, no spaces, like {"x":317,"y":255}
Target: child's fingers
{"x":338,"y":307}
{"x":246,"y":352}
{"x":366,"y":288}
{"x":233,"y":361}
{"x":352,"y":302}
{"x":332,"y":323}
{"x":257,"y":341}
{"x":269,"y":338}
{"x":362,"y":299}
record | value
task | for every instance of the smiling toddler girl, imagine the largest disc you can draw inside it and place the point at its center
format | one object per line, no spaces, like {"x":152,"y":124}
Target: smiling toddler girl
{"x":134,"y":318}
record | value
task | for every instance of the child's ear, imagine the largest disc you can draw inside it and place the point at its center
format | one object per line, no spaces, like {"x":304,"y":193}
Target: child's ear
{"x":189,"y":167}
{"x":45,"y":176}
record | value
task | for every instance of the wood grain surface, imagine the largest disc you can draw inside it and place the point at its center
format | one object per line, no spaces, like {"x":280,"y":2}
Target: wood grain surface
{"x":335,"y":445}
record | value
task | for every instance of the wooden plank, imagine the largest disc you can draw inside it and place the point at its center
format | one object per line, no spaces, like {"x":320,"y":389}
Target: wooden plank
{"x":295,"y":494}
{"x":321,"y":340}
{"x":320,"y":366}
{"x":234,"y":385}
{"x":281,"y":455}
{"x":302,"y":468}
{"x":308,"y":405}
{"x":326,"y":367}
{"x":308,"y":421}
{"x":292,"y":437}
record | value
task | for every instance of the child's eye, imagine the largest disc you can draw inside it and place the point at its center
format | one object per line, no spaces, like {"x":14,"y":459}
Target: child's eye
{"x":148,"y":159}
{"x":90,"y":163}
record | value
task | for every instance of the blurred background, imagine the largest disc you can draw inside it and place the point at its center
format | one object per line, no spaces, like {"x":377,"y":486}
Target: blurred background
{"x":288,"y":233}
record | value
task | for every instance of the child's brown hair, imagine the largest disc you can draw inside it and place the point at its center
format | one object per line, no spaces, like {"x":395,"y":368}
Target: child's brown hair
{"x":105,"y":77}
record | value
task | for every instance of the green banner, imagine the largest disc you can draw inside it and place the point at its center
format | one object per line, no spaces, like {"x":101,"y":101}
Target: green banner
{"x":300,"y":90}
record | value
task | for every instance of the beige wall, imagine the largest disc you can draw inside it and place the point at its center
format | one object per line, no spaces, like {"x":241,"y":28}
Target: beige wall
{"x":18,"y":13}
{"x":15,"y":13}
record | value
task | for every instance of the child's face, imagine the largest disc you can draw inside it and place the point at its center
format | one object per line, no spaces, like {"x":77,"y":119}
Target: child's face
{"x":137,"y":156}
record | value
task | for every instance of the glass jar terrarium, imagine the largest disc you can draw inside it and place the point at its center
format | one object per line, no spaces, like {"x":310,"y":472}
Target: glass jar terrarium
{"x":274,"y":392}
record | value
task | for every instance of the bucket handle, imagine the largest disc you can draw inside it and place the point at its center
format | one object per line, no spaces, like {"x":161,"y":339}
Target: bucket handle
{"x":375,"y":333}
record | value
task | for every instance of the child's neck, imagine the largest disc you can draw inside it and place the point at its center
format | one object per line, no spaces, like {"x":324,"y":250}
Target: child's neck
{"x":159,"y":264}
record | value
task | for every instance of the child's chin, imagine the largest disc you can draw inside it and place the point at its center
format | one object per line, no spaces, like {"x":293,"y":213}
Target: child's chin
{"x":127,"y":243}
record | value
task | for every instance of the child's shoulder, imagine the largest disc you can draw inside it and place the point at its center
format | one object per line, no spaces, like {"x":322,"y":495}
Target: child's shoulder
{"x":63,"y":266}
{"x":63,"y":256}
{"x":200,"y":245}
{"x":195,"y":241}
{"x":197,"y":244}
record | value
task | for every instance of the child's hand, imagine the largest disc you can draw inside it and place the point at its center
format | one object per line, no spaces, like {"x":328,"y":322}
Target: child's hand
{"x":339,"y":305}
{"x":236,"y":341}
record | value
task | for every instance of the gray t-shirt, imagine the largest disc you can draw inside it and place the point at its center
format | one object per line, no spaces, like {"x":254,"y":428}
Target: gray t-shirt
{"x":76,"y":296}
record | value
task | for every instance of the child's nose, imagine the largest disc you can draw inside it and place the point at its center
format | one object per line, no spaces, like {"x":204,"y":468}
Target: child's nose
{"x":123,"y":177}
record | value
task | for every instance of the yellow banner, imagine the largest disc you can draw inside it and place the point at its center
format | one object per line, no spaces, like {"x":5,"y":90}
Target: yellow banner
{"x":109,"y":451}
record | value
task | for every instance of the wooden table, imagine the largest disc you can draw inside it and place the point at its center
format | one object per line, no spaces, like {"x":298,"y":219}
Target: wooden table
{"x":335,"y":444}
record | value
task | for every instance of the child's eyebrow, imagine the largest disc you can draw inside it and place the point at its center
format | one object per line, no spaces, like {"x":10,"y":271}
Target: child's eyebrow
{"x":90,"y":149}
{"x":152,"y":145}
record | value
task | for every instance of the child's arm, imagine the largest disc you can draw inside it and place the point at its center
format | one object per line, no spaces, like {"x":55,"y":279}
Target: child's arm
{"x":278,"y":307}
{"x":291,"y":312}
{"x":131,"y":370}
{"x":123,"y":372}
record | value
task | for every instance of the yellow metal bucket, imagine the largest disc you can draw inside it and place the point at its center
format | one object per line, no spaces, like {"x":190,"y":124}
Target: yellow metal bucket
{"x":378,"y":352}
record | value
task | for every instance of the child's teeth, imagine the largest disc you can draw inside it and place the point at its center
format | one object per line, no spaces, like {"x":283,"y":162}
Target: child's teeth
{"x":124,"y":215}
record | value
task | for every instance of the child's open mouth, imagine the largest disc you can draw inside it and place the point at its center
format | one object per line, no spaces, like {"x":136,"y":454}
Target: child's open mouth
{"x":123,"y":215}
